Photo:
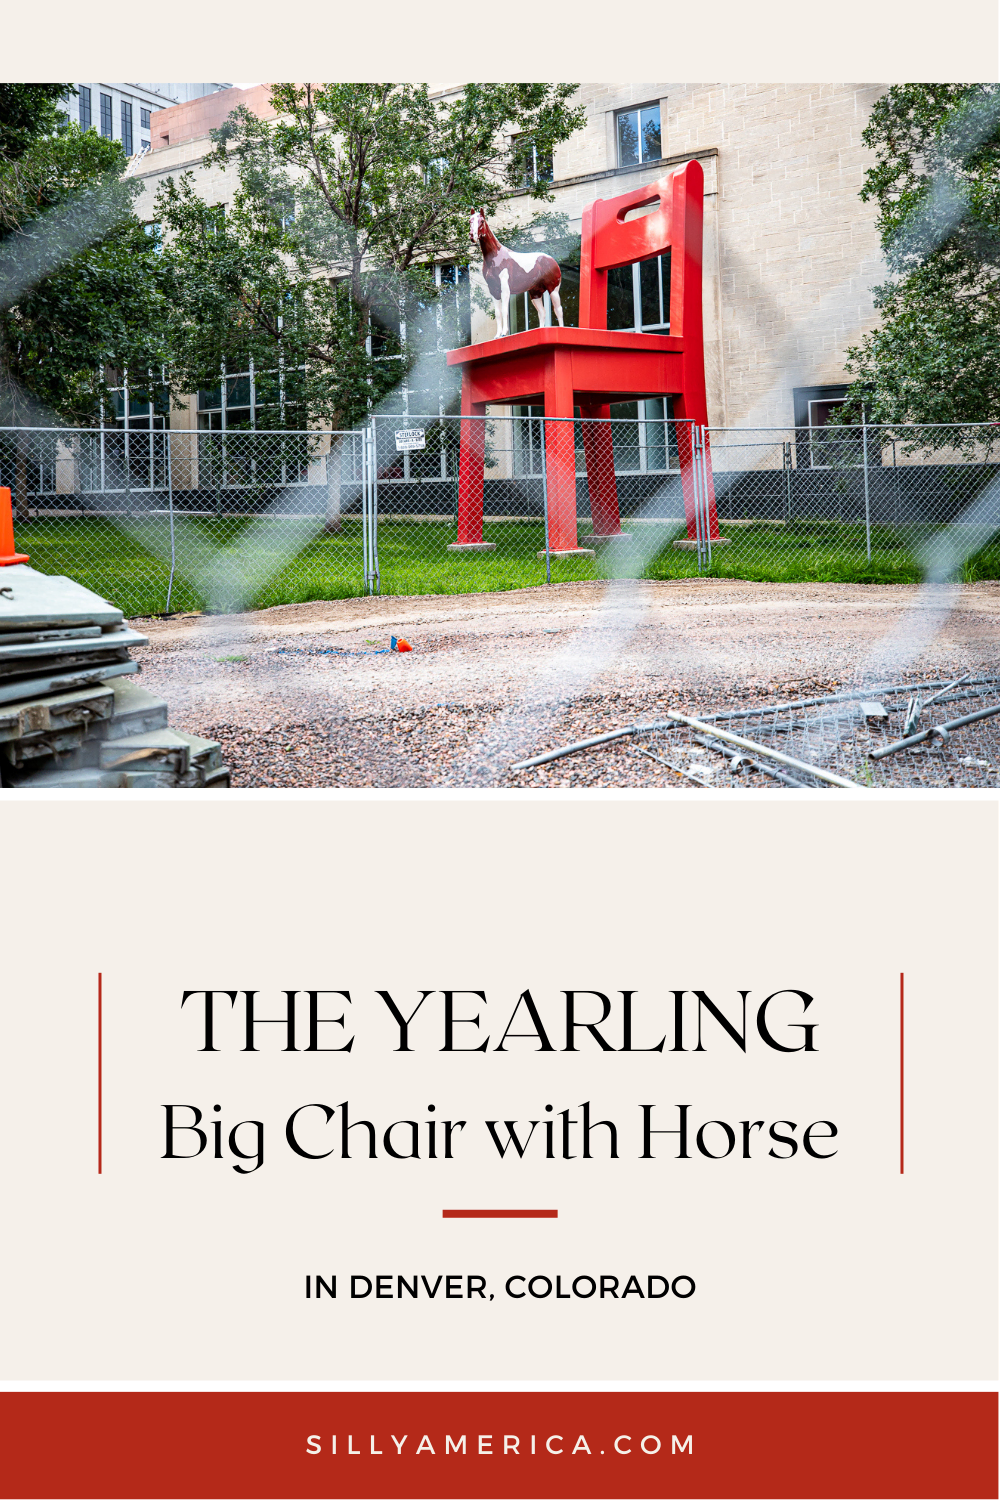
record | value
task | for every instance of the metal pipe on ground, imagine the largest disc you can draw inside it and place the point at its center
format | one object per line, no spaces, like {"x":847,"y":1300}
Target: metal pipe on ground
{"x":598,"y":739}
{"x":942,"y":730}
{"x":940,"y":694}
{"x":786,"y":760}
{"x":854,"y":693}
{"x":755,"y":765}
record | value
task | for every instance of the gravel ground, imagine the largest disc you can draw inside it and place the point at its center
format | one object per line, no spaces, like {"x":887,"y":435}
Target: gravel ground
{"x":308,"y":695}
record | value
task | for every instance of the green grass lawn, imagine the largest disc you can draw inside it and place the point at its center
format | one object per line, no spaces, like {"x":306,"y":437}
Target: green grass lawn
{"x":226,"y":563}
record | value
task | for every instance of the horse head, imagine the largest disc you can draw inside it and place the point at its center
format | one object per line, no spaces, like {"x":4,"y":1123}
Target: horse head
{"x":477,"y":223}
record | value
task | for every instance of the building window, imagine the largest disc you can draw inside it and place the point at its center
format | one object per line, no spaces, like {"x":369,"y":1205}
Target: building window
{"x":143,"y":118}
{"x":231,"y":405}
{"x":283,"y":205}
{"x":253,"y":399}
{"x":154,"y":231}
{"x":144,"y":145}
{"x":127,"y":126}
{"x":813,"y":404}
{"x":828,"y":446}
{"x":819,"y":411}
{"x":131,"y":451}
{"x":455,"y":321}
{"x":638,"y":134}
{"x":639,"y":296}
{"x":533,"y":165}
{"x":643,"y":436}
{"x":85,"y":116}
{"x":107,"y":129}
{"x":141,"y":402}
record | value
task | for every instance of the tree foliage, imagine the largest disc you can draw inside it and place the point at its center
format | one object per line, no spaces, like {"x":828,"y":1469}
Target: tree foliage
{"x":80,"y":282}
{"x":935,"y":356}
{"x":241,"y":291}
{"x":342,"y":206}
{"x":27,"y":112}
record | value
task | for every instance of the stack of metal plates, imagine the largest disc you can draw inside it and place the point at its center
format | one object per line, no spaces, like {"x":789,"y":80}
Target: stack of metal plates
{"x":70,"y":715}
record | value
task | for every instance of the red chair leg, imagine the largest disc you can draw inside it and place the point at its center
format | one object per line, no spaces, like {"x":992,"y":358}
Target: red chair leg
{"x":560,"y":456}
{"x":601,"y":485}
{"x":471,"y":461}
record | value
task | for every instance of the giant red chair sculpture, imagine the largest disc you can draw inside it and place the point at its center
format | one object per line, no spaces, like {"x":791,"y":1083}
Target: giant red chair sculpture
{"x":592,"y":365}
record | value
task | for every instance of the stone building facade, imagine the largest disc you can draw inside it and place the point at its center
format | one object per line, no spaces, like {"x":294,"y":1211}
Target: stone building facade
{"x":790,"y":252}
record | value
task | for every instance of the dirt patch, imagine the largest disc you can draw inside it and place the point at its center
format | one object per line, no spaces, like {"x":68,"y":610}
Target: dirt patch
{"x":310,"y":695}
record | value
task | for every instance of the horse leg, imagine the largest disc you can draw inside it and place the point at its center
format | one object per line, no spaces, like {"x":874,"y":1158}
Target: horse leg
{"x":504,"y":303}
{"x":498,"y":314}
{"x":538,"y":303}
{"x":557,"y":305}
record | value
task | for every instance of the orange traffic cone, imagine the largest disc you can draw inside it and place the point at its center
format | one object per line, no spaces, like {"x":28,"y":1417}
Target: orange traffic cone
{"x":7,"y":553}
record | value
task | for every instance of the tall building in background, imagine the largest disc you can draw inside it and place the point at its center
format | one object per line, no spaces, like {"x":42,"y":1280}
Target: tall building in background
{"x":121,"y":111}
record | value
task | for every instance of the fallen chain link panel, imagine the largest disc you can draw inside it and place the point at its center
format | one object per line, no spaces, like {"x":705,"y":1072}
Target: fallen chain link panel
{"x":839,"y":735}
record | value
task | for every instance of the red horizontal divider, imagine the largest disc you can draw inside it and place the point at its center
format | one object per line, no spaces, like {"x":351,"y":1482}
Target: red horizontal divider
{"x":499,"y":1213}
{"x":223,"y":1445}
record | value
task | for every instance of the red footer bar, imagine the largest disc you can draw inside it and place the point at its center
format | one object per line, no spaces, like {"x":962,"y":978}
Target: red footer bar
{"x":448,"y":1444}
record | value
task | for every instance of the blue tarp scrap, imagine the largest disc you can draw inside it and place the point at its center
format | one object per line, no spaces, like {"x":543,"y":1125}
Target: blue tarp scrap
{"x":341,"y":650}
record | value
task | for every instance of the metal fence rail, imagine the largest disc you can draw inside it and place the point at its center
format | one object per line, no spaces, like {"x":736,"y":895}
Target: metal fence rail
{"x":168,"y":519}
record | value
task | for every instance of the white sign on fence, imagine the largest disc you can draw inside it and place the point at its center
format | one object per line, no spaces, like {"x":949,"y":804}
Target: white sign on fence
{"x":409,"y":438}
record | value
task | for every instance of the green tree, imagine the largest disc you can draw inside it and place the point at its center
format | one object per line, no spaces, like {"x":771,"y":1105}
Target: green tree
{"x":935,"y":356}
{"x":240,"y":290}
{"x":80,"y":279}
{"x":342,"y":207}
{"x":28,"y":111}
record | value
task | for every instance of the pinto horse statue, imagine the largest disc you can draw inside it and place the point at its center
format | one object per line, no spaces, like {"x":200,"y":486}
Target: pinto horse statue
{"x":508,"y":273}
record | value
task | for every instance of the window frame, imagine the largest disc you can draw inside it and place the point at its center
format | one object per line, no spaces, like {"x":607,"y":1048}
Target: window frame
{"x":663,"y":295}
{"x":521,"y":153}
{"x":126,"y":124}
{"x":227,"y":382}
{"x":637,"y":110}
{"x":804,"y":398}
{"x":86,"y":115}
{"x":107,"y":114}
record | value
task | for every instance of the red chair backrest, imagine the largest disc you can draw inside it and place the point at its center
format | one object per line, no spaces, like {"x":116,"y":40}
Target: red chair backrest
{"x":609,"y":240}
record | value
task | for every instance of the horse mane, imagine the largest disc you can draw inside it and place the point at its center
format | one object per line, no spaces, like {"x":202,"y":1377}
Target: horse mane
{"x":492,"y":244}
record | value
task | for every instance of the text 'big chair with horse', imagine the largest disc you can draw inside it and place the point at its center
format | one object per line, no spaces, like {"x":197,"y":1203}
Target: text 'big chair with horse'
{"x":592,"y":366}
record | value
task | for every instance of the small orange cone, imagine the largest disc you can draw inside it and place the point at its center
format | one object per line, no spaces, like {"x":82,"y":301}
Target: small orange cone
{"x":399,"y":644}
{"x":7,"y":553}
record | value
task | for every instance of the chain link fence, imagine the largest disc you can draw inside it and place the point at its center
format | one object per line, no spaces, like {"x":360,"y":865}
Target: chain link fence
{"x":160,"y":520}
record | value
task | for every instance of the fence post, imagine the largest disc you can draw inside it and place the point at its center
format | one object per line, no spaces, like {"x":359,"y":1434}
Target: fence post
{"x":864,"y":460}
{"x":705,"y":508}
{"x":365,"y":526}
{"x":545,"y":506}
{"x":895,"y":488}
{"x":170,"y":504}
{"x":374,"y":445}
{"x":787,"y":464}
{"x":701,"y":526}
{"x":369,"y":507}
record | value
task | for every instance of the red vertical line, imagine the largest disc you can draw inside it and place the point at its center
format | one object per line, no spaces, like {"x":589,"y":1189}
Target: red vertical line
{"x":100,"y":1063}
{"x":901,"y":1075}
